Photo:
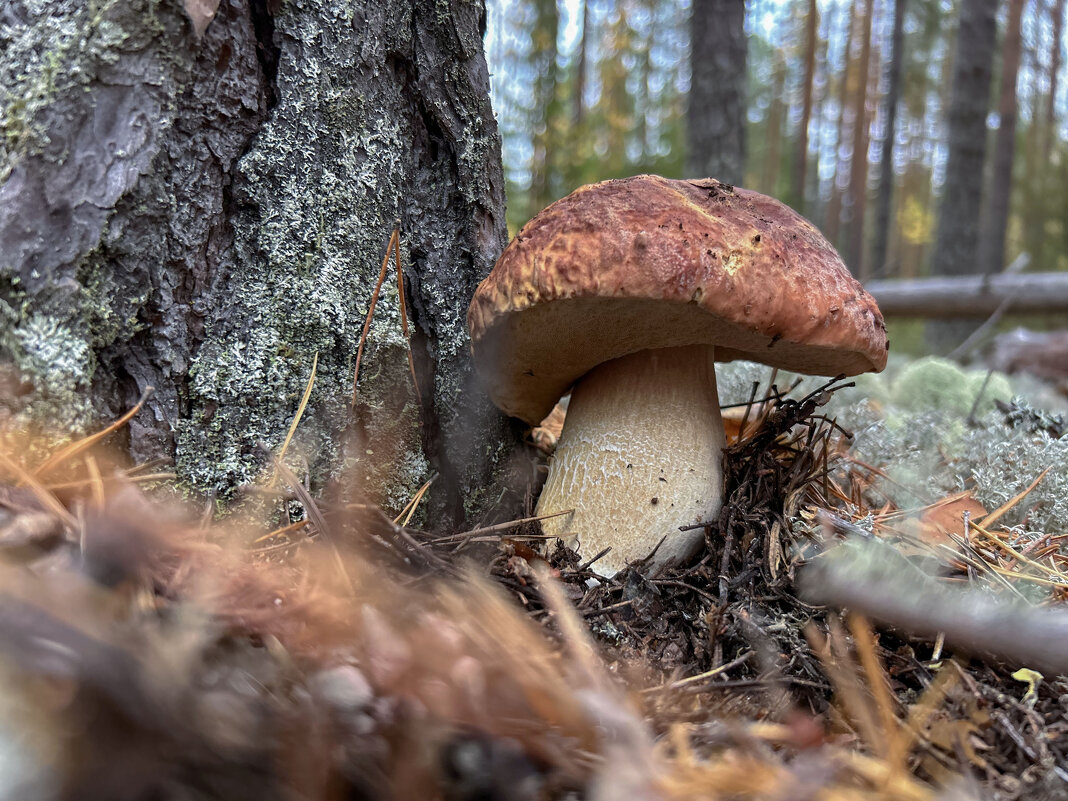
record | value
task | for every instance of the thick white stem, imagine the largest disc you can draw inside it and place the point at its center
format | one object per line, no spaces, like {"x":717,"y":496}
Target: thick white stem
{"x":639,"y":456}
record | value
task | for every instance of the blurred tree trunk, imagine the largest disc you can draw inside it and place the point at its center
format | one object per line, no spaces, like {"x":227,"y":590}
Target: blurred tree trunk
{"x":858,"y":168}
{"x":884,"y":201}
{"x":578,"y":99}
{"x":1047,"y":253}
{"x":1054,"y":72}
{"x":833,"y":220}
{"x":812,"y":22}
{"x":201,"y":205}
{"x":769,"y":182}
{"x":956,"y":242}
{"x":716,"y":111}
{"x":999,"y":193}
{"x":545,"y":103}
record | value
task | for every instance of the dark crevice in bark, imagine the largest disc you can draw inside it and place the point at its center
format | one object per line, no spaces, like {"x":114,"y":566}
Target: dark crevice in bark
{"x":267,"y":51}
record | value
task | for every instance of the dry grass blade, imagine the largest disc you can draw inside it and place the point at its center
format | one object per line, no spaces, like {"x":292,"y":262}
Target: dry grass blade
{"x":72,"y":450}
{"x":864,"y":642}
{"x":371,"y":312}
{"x":296,"y":418}
{"x":572,"y":629}
{"x":833,"y":652}
{"x":904,"y":739}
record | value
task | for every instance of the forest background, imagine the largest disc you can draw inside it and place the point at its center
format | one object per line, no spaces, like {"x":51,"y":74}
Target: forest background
{"x":952,"y":104}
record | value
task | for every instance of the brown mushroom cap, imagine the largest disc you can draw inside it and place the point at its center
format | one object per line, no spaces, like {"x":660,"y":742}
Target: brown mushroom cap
{"x":646,"y":262}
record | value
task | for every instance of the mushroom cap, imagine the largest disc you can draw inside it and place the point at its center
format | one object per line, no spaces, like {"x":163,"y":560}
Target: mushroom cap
{"x":646,"y":262}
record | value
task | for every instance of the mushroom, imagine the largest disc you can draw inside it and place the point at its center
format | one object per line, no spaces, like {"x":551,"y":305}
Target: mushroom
{"x":625,"y":293}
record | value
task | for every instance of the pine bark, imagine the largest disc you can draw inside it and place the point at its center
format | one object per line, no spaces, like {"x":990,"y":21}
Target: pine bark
{"x":956,"y":241}
{"x":716,"y":113}
{"x":885,"y":198}
{"x":203,"y":214}
{"x":999,"y":193}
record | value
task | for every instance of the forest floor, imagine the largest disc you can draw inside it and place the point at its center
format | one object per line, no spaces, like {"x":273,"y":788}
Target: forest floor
{"x":878,"y":614}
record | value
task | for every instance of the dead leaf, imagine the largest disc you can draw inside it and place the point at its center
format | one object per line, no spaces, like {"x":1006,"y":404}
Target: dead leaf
{"x":947,"y":517}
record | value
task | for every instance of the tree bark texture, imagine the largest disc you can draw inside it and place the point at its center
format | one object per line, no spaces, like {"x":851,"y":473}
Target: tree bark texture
{"x":716,"y":111}
{"x":885,"y":198}
{"x":996,"y":215}
{"x":204,"y":214}
{"x":957,"y":237}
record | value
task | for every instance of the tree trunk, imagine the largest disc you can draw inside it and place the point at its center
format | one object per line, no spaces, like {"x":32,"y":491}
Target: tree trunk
{"x":205,"y":214}
{"x":1054,"y":70}
{"x":958,"y":219}
{"x":801,"y":162}
{"x":545,"y":104}
{"x":996,"y":216}
{"x":884,"y":201}
{"x":858,"y":166}
{"x":769,"y":182}
{"x":716,"y":112}
{"x":833,"y":221}
{"x":578,"y":98}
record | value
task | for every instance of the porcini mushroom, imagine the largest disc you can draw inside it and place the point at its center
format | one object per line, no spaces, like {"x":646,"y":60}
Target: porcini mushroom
{"x":626,"y":292}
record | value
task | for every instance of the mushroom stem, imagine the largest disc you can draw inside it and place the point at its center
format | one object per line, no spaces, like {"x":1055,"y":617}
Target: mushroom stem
{"x":640,"y":455}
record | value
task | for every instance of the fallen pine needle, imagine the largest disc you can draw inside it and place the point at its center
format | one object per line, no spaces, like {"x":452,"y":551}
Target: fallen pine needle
{"x":996,"y":515}
{"x":371,"y":312}
{"x":499,"y":527}
{"x":278,"y":532}
{"x":412,"y":505}
{"x":708,"y":674}
{"x":296,"y":418}
{"x":47,"y":499}
{"x":75,"y":448}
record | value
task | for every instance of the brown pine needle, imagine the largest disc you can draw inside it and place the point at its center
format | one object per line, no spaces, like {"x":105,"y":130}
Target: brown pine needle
{"x":96,"y":483}
{"x":996,"y":515}
{"x":370,"y":313}
{"x":404,"y":313}
{"x":708,"y":674}
{"x":278,"y":532}
{"x":296,"y":418}
{"x":141,"y":478}
{"x":499,"y":527}
{"x":75,"y":448}
{"x":411,"y":506}
{"x":47,"y":499}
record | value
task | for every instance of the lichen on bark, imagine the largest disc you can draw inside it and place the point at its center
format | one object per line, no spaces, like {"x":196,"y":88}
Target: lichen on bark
{"x":204,"y":215}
